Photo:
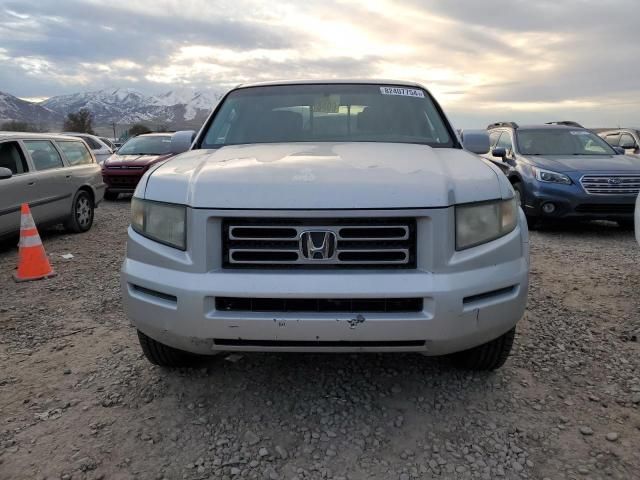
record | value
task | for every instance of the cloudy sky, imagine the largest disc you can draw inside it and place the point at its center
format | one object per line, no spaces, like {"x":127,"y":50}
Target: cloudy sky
{"x":523,"y":60}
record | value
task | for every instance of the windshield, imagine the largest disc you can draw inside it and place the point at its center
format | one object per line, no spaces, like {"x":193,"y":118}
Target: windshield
{"x":155,"y":145}
{"x":561,"y":141}
{"x":327,"y":113}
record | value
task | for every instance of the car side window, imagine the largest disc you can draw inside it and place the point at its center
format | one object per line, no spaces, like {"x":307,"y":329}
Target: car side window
{"x":11,"y":157}
{"x":505,"y":141}
{"x":93,"y":145}
{"x":76,"y":152}
{"x":613,"y":139}
{"x":43,"y":154}
{"x":626,"y":139}
{"x":493,"y":138}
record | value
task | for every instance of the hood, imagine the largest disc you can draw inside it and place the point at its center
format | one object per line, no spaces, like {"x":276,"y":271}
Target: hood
{"x":136,"y":160}
{"x":323,"y":176}
{"x":587,"y":163}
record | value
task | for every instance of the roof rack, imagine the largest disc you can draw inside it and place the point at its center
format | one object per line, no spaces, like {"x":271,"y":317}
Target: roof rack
{"x":567,"y":123}
{"x":513,"y":125}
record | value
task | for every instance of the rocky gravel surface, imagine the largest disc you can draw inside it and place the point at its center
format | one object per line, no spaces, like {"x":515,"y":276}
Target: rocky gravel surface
{"x":78,"y":400}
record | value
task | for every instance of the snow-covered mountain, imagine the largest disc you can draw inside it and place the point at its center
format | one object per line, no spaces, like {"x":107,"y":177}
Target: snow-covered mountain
{"x":194,"y":101}
{"x":175,"y":108}
{"x":14,"y":108}
{"x":178,"y":108}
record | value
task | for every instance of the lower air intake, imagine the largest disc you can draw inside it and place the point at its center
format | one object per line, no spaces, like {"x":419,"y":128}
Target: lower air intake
{"x":345,"y":305}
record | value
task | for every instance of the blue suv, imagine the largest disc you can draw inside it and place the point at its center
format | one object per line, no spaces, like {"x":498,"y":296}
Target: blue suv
{"x":562,"y":171}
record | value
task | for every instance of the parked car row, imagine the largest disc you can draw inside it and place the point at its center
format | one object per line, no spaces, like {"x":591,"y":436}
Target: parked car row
{"x":327,"y":216}
{"x":562,"y":171}
{"x":57,"y":175}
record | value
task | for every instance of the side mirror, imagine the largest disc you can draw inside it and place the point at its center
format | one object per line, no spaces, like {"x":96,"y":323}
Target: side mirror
{"x":475,"y":141}
{"x":5,"y":173}
{"x":181,"y":141}
{"x":619,"y":150}
{"x":499,"y":152}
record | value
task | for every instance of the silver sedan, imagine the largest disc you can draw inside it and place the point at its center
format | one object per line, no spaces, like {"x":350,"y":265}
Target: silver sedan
{"x":56,"y":175}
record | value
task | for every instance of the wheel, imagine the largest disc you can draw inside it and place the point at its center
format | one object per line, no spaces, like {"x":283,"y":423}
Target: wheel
{"x":532,"y":222}
{"x":488,"y":356}
{"x":81,"y":217}
{"x":111,"y":196}
{"x":164,"y":355}
{"x":626,"y":224}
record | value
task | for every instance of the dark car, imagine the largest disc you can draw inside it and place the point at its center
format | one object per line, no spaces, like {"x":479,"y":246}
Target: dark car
{"x":563,"y":171}
{"x":122,"y":171}
{"x":628,"y":139}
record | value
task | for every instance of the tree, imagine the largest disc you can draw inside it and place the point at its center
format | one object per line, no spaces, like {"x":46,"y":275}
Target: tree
{"x":80,"y":122}
{"x":138,"y":129}
{"x":17,"y":126}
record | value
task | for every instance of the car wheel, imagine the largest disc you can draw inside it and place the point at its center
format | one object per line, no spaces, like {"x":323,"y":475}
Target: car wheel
{"x":488,"y":356}
{"x":81,"y":217}
{"x":111,"y":196}
{"x":532,"y":222}
{"x":164,"y":355}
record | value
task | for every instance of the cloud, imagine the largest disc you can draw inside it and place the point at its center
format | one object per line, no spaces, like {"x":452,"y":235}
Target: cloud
{"x":483,"y":60}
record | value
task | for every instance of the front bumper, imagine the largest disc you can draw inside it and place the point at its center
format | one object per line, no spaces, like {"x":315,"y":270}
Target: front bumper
{"x":572,"y":202}
{"x":121,"y":181}
{"x":178,"y":308}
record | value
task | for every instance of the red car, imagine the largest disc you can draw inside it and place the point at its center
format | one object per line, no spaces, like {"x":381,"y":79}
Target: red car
{"x":122,"y":171}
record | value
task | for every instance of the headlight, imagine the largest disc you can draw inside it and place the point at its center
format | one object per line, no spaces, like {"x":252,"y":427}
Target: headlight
{"x":551,"y":177}
{"x":162,"y":222}
{"x":482,"y":222}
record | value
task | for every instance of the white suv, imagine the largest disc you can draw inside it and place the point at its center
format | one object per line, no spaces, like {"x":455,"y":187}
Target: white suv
{"x":327,"y":216}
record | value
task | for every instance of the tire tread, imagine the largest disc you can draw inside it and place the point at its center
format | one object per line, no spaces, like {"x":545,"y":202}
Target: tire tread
{"x":488,"y":356}
{"x":164,"y":355}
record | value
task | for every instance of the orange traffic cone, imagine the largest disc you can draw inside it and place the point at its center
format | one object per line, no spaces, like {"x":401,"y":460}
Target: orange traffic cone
{"x":32,"y":260}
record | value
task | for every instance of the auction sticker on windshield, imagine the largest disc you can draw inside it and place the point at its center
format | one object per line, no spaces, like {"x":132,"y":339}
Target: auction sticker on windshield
{"x":405,"y":92}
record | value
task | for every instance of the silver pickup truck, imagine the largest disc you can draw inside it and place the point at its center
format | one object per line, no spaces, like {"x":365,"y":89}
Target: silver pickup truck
{"x":56,"y":175}
{"x":327,"y":216}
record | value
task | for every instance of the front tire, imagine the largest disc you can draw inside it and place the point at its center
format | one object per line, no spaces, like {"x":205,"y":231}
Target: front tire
{"x":82,"y":210}
{"x":532,"y":222}
{"x":488,"y":356}
{"x":164,"y":355}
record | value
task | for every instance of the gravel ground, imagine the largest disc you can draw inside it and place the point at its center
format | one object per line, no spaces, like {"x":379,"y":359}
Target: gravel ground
{"x":77,"y":400}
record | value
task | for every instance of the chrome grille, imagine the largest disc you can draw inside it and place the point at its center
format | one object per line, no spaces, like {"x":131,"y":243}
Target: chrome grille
{"x":351,"y":243}
{"x":611,"y":184}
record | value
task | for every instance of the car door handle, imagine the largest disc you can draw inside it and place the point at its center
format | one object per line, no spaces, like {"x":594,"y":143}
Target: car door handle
{"x":68,"y":176}
{"x":31,"y":183}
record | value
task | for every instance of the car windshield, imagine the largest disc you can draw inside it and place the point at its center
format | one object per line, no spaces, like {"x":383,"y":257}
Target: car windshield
{"x":561,"y":141}
{"x":327,"y":113}
{"x":155,"y":145}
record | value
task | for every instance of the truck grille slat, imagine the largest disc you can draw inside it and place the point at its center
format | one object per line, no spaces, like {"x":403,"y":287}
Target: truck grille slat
{"x":611,"y":184}
{"x":296,"y":242}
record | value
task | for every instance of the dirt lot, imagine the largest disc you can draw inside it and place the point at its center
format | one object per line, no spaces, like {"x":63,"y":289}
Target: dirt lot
{"x":77,"y":400}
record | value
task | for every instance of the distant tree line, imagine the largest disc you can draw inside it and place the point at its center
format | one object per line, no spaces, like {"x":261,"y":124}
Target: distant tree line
{"x":18,"y":126}
{"x":80,"y":122}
